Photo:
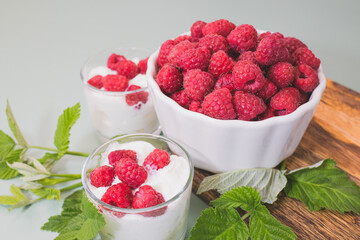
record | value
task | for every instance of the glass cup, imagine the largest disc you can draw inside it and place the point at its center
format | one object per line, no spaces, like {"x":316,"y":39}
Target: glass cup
{"x":110,"y":112}
{"x":165,"y":221}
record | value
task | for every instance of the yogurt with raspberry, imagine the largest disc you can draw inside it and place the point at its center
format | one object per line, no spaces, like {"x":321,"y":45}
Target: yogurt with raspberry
{"x":170,"y":181}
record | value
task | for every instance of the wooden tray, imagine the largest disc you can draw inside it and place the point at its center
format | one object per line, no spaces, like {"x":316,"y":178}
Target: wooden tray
{"x":334,"y":132}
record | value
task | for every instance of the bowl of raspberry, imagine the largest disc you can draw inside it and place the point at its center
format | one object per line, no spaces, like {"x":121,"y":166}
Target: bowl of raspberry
{"x":141,"y":183}
{"x":116,"y":92}
{"x":235,"y":97}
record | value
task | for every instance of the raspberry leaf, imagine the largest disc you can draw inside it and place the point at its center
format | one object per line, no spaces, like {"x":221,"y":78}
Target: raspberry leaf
{"x":7,"y":144}
{"x":219,"y":223}
{"x":7,"y":172}
{"x":48,"y":193}
{"x":324,"y":186}
{"x":14,"y":127}
{"x":17,"y":200}
{"x":269,"y":182}
{"x":263,"y":226}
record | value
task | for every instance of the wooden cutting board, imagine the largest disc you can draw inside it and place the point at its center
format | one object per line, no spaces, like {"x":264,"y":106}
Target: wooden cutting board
{"x":334,"y":132}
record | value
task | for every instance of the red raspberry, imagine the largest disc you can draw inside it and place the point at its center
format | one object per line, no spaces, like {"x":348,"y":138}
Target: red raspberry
{"x":243,"y":38}
{"x":197,"y":83}
{"x":178,"y":50}
{"x":247,"y":76}
{"x":304,"y":97}
{"x":142,"y":65}
{"x":169,"y":79}
{"x":182,"y":38}
{"x":222,"y":27}
{"x":130,"y":173}
{"x":268,"y":113}
{"x":268,"y":34}
{"x":225,"y":81}
{"x":102,"y":176}
{"x":134,"y":98}
{"x":146,"y":197}
{"x":282,"y":74}
{"x":268,"y":90}
{"x":115,"y":156}
{"x":195,"y":106}
{"x":292,"y":44}
{"x":156,"y":159}
{"x":304,"y":55}
{"x":164,"y":52}
{"x":96,"y":81}
{"x":113,"y":61}
{"x":181,"y":98}
{"x":118,"y":195}
{"x":247,"y":105}
{"x":271,"y":50}
{"x":115,"y":83}
{"x":307,"y":79}
{"x":218,"y":105}
{"x":220,"y":63}
{"x":196,"y":30}
{"x":195,"y":58}
{"x":214,"y":43}
{"x":248,"y":56}
{"x":127,"y":68}
{"x":285,"y":101}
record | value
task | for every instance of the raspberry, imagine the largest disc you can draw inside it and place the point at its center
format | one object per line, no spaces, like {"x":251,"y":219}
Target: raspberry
{"x":271,"y":50}
{"x":292,"y":44}
{"x":156,"y":159}
{"x":115,"y":156}
{"x":222,"y":27}
{"x":214,"y":43}
{"x":127,"y":68}
{"x":196,"y":30}
{"x":178,"y":50}
{"x":220,"y":63}
{"x":198,"y":83}
{"x":247,"y":76}
{"x":195,"y":106}
{"x":133,"y":98}
{"x":142,"y":65}
{"x":102,"y":176}
{"x":304,"y":55}
{"x":285,"y":101}
{"x":96,"y":81}
{"x":169,"y":79}
{"x":146,"y":197}
{"x":268,"y":113}
{"x":182,"y":38}
{"x":268,"y":34}
{"x":113,"y":61}
{"x":164,"y":52}
{"x":115,"y":83}
{"x":307,"y":79}
{"x":268,"y":90}
{"x":118,"y":195}
{"x":282,"y":74}
{"x":130,"y":173}
{"x":225,"y":81}
{"x":248,"y":56}
{"x":195,"y":58}
{"x":247,"y":105}
{"x":181,"y":98}
{"x":218,"y":104}
{"x":243,"y":38}
{"x":304,"y":97}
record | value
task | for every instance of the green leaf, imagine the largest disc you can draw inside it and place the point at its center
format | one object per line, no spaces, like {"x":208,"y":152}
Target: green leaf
{"x":14,"y":127}
{"x":263,"y":226}
{"x":49,"y":193}
{"x":54,"y":181}
{"x":17,"y":200}
{"x":324,"y":186}
{"x":219,"y":224}
{"x":7,"y":144}
{"x":268,"y":182}
{"x":5,"y":171}
{"x":246,"y":198}
{"x":65,"y":122}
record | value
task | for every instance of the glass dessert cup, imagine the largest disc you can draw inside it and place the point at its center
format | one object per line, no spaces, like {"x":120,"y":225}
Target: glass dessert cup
{"x":125,"y":223}
{"x":110,"y":113}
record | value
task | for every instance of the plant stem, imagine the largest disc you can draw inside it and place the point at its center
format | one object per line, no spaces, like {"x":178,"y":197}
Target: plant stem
{"x":71,"y":187}
{"x":74,"y":176}
{"x":245,"y":216}
{"x":81,"y":154}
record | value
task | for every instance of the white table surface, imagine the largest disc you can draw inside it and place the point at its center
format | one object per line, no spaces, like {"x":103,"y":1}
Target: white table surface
{"x":44,"y":43}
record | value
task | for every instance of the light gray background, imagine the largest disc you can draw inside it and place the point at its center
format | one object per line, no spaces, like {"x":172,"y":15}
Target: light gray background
{"x":44,"y":43}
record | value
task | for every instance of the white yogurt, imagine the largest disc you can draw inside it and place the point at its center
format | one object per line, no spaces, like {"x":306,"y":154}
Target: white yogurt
{"x":169,"y":181}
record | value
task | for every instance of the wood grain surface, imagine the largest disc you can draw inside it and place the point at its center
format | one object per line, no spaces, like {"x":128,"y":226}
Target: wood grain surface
{"x":334,"y":132}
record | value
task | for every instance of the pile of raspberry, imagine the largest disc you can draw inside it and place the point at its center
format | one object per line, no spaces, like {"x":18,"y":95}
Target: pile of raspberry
{"x":119,"y":82}
{"x":232,"y":72}
{"x":130,"y":192}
